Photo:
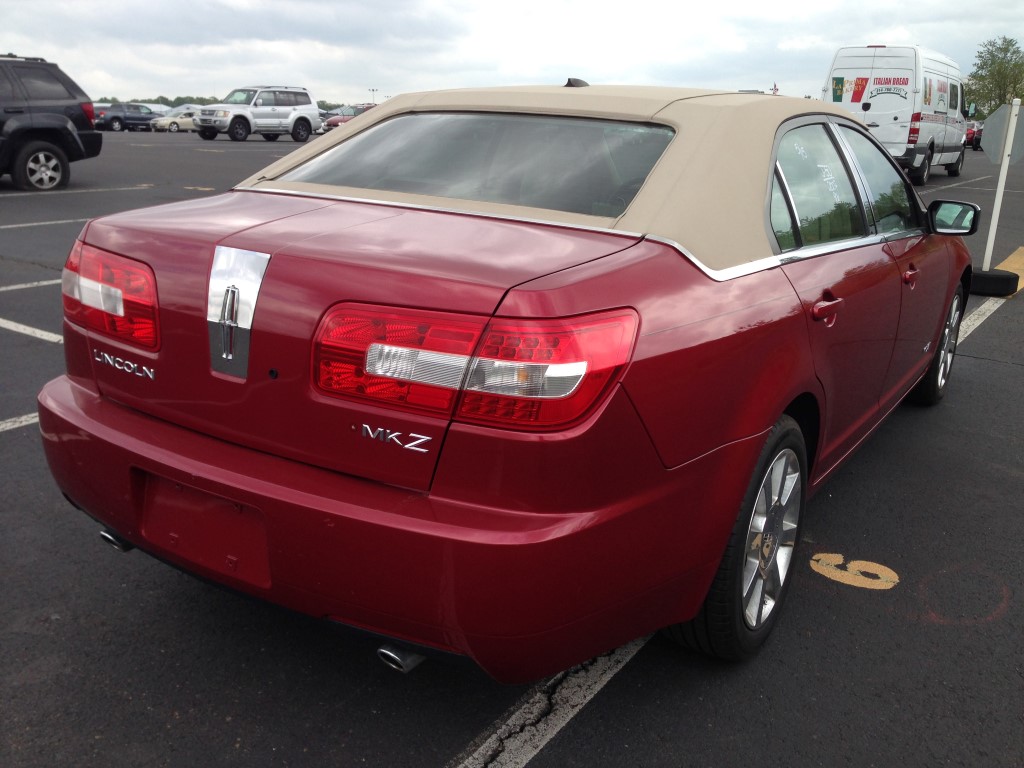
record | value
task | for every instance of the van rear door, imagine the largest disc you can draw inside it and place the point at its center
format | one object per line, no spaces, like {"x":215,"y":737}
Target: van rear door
{"x":877,"y":86}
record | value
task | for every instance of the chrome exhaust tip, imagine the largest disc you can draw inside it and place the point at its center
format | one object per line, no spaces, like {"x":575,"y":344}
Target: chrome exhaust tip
{"x":121,"y":545}
{"x":398,"y":658}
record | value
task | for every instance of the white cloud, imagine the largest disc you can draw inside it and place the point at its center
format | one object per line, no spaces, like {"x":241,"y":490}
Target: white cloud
{"x":340,"y":49}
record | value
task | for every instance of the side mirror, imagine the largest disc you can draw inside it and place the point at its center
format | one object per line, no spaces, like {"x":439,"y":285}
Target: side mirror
{"x":948,"y":217}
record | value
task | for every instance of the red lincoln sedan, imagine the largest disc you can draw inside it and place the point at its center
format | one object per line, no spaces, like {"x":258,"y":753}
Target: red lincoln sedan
{"x":519,"y":374}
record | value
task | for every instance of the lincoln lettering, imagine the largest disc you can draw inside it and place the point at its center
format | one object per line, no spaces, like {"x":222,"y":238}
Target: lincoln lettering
{"x":128,"y":366}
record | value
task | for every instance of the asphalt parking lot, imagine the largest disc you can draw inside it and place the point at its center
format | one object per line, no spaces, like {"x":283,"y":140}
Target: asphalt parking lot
{"x":900,"y":645}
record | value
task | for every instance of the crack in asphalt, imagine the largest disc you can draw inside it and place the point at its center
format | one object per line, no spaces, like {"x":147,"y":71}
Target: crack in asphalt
{"x":543,"y":711}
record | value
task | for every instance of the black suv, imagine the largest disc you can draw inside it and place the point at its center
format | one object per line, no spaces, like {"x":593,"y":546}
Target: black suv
{"x":46,"y":122}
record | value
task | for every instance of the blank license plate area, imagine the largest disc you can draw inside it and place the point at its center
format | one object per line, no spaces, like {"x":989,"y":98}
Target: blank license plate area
{"x":214,"y":532}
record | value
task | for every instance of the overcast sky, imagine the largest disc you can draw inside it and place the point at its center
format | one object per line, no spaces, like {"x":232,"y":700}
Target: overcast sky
{"x":341,"y":49}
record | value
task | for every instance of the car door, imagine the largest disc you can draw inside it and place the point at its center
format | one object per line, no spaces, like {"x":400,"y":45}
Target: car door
{"x":847,"y":283}
{"x":264,"y":111}
{"x":922,"y":262}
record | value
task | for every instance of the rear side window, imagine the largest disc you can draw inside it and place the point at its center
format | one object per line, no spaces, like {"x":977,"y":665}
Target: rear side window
{"x":578,"y":165}
{"x":6,"y":87}
{"x":823,"y":199}
{"x":41,"y":83}
{"x":887,"y":189}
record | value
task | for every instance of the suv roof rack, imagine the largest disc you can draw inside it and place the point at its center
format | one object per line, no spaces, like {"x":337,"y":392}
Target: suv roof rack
{"x":21,"y":58}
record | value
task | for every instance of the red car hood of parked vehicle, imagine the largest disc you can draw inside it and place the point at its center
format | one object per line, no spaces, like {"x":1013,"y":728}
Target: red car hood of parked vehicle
{"x":378,"y":255}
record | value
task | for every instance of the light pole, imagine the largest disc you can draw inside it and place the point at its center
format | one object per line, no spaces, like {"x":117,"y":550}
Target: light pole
{"x":373,"y":94}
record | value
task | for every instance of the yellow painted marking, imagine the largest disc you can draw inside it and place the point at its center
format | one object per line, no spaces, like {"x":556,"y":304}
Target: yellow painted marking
{"x":1015,"y":263}
{"x":856,"y":573}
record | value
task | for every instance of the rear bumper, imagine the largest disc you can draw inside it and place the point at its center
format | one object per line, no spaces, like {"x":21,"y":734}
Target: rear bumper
{"x":92,"y":143}
{"x":523,"y":594}
{"x":912,"y":157}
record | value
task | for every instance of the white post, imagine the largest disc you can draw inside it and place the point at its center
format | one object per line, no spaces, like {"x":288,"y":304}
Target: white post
{"x":1011,"y":126}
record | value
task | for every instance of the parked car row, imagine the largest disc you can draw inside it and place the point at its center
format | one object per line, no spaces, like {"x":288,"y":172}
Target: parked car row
{"x":972,"y":136}
{"x":343,"y":114}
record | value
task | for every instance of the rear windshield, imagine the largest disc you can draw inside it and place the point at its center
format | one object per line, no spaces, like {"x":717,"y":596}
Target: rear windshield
{"x":578,"y":165}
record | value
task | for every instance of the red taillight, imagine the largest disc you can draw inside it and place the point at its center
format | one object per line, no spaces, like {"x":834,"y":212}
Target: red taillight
{"x":915,"y":128}
{"x":413,"y":361}
{"x":90,"y":111}
{"x":526,"y":374}
{"x":111,"y":294}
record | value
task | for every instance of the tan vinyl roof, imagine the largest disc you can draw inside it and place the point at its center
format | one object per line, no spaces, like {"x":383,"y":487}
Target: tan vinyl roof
{"x":708,"y":193}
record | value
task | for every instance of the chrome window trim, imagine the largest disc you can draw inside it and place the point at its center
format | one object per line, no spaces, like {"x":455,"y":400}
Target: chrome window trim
{"x":718,"y":275}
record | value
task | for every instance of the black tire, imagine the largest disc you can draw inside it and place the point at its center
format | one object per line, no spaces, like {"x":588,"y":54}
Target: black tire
{"x":238,"y":130}
{"x":921,"y":175}
{"x":271,"y":136}
{"x":173,"y":128}
{"x":932,"y":388}
{"x":116,"y":124}
{"x":301,"y":131}
{"x":209,"y":134}
{"x":746,"y":596}
{"x":953,"y":169}
{"x":40,"y":166}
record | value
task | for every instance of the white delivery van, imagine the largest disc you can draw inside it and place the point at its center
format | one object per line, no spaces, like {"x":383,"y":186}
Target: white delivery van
{"x":910,"y":98}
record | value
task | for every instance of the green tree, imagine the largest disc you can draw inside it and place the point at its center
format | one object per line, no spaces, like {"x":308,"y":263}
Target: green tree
{"x":998,"y":75}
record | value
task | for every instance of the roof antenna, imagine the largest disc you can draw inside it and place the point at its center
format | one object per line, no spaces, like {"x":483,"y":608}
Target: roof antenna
{"x":575,"y":82}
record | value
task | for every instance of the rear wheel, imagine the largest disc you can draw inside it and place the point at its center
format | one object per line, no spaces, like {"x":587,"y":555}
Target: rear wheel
{"x":301,"y":131}
{"x":271,"y":136}
{"x":921,"y":175}
{"x":173,"y":128}
{"x":953,"y":169}
{"x":238,"y":130}
{"x":745,"y":598}
{"x":116,"y":124}
{"x":932,"y":387}
{"x":40,"y":166}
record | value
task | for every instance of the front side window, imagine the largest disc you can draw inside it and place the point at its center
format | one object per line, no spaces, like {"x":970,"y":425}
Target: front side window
{"x":887,"y":189}
{"x":578,"y":165}
{"x":824,"y":202}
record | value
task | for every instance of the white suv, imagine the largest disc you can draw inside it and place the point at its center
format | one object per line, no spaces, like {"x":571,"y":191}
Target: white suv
{"x":269,"y":110}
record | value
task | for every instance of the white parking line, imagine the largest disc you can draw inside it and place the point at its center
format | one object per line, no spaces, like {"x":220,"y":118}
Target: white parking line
{"x":29,"y":331}
{"x":87,"y":191}
{"x":971,"y":322}
{"x":19,"y":421}
{"x":37,"y":284}
{"x":43,"y":223}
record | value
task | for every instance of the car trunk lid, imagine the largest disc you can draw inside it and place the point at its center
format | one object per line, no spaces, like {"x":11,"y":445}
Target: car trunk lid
{"x":313,"y":255}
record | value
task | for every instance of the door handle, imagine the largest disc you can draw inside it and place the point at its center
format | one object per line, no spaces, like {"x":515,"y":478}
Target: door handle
{"x":910,"y":276}
{"x":872,"y":125}
{"x":826,"y":310}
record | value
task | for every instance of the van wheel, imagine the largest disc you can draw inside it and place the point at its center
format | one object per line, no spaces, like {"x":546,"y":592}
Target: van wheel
{"x":921,"y":175}
{"x":953,"y":169}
